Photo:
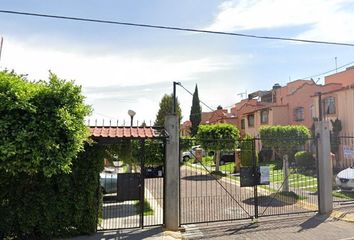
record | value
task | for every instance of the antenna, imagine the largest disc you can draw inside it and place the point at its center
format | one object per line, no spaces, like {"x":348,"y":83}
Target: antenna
{"x":335,"y":60}
{"x":242,"y":93}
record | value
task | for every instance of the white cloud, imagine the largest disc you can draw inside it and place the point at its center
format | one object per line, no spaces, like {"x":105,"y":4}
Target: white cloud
{"x":324,"y":19}
{"x":115,"y":69}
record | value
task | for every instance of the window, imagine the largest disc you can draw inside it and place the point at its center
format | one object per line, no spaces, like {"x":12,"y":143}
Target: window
{"x":250,"y":119}
{"x":243,"y":124}
{"x":330,"y":105}
{"x":299,"y":114}
{"x":264,"y":116}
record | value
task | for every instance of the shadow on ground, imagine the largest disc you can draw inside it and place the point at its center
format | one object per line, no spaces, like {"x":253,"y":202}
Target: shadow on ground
{"x":133,"y":234}
{"x":202,"y":177}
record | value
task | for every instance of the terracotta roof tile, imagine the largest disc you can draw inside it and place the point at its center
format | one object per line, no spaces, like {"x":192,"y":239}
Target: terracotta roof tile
{"x":124,"y":132}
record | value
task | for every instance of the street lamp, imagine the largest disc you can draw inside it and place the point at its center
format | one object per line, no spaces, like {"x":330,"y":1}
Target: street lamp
{"x":131,"y":113}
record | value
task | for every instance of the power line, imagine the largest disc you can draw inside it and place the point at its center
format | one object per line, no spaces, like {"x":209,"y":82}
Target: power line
{"x":174,"y":28}
{"x":332,"y":70}
{"x":211,"y":109}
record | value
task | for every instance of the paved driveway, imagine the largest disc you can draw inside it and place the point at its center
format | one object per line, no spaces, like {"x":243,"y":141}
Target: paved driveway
{"x":203,"y":199}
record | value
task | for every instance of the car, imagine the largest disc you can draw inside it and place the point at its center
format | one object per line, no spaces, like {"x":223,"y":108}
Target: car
{"x":345,"y":179}
{"x":153,"y":171}
{"x":191,"y":153}
{"x":108,"y":181}
{"x":227,"y":157}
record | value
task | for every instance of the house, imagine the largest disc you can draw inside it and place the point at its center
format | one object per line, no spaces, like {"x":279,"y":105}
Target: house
{"x":346,"y":78}
{"x":218,"y":116}
{"x":288,"y":105}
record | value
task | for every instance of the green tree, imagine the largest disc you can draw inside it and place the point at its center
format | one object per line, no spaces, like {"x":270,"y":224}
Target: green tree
{"x":196,"y":112}
{"x":284,"y":140}
{"x":218,"y":137}
{"x":42,"y":125}
{"x":165,"y":109}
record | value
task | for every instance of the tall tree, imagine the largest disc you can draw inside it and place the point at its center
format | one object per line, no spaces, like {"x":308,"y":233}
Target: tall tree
{"x":196,"y":112}
{"x":165,"y":109}
{"x":218,"y":137}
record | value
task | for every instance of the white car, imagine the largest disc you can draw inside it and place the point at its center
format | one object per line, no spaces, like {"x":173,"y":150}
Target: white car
{"x":191,"y":153}
{"x":345,"y":179}
{"x":108,"y":180}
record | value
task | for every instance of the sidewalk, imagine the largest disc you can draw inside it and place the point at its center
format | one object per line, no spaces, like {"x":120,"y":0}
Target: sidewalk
{"x":149,"y":233}
{"x":298,"y":227}
{"x":305,"y":227}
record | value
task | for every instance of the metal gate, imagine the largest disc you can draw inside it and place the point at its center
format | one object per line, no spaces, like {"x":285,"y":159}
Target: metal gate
{"x":342,"y":148}
{"x":270,"y":182}
{"x":134,"y":199}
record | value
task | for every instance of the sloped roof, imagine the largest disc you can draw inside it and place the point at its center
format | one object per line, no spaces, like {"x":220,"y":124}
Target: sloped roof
{"x":125,"y":132}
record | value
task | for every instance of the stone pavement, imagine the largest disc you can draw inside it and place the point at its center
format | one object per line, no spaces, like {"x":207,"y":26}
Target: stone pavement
{"x":304,"y":227}
{"x":151,"y":233}
{"x":289,"y":228}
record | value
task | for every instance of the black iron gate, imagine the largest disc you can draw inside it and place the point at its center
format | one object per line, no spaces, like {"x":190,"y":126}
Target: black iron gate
{"x":134,"y":198}
{"x":267,"y":184}
{"x":342,"y":148}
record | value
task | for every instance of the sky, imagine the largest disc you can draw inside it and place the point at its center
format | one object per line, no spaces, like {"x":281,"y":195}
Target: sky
{"x":125,"y":67}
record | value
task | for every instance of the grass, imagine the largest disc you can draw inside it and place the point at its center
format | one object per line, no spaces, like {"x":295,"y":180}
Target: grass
{"x":344,"y":195}
{"x":296,"y":179}
{"x":147,"y":208}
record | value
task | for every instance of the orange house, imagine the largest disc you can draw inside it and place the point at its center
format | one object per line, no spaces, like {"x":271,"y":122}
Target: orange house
{"x":288,"y":105}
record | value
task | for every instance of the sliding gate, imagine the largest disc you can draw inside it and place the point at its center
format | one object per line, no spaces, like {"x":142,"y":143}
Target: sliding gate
{"x":270,"y":183}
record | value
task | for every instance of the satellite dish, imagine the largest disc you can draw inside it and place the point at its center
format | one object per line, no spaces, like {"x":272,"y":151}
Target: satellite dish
{"x":131,"y":113}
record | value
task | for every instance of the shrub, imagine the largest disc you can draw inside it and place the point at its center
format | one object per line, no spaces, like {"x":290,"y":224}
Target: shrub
{"x":38,"y":207}
{"x":49,"y":187}
{"x":304,"y":160}
{"x":265,"y":154}
{"x":42,"y":125}
{"x":247,"y":151}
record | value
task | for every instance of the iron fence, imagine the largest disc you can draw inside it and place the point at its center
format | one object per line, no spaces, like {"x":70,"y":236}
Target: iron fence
{"x":212,"y":193}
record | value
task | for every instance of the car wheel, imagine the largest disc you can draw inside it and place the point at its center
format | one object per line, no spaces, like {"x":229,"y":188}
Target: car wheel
{"x":186,"y":158}
{"x":222,"y":162}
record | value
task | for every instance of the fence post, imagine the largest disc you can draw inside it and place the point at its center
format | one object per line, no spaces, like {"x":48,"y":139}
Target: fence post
{"x":324,"y":165}
{"x":172,"y":197}
{"x":286,"y":173}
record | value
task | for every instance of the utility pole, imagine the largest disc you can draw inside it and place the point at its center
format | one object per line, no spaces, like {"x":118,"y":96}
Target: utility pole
{"x":1,"y":43}
{"x":174,"y":103}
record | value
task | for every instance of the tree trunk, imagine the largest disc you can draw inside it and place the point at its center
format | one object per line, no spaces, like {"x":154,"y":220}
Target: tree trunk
{"x":217,"y":161}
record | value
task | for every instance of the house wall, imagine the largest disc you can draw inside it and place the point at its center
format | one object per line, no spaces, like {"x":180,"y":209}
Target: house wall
{"x":345,"y":78}
{"x":302,"y":97}
{"x":279,"y":116}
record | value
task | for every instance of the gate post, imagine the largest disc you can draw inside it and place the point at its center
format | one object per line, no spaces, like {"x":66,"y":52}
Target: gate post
{"x":172,"y":197}
{"x":324,"y":168}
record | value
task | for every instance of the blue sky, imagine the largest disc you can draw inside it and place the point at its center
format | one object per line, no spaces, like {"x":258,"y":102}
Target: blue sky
{"x":123,"y":68}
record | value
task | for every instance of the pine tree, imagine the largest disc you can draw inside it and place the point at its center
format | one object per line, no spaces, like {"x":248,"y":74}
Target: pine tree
{"x":196,"y":112}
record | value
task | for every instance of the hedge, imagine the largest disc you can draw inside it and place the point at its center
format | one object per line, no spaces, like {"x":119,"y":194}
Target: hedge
{"x":49,"y":187}
{"x":38,"y":207}
{"x":42,"y":124}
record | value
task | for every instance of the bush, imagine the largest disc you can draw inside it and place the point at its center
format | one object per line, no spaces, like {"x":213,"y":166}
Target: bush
{"x":246,"y":151}
{"x":42,"y":125}
{"x":305,"y":160}
{"x":49,"y":187}
{"x":265,"y":154}
{"x":38,"y":207}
